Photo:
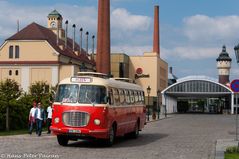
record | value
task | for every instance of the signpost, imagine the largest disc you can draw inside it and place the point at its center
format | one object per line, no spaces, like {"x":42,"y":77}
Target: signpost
{"x":235,"y":88}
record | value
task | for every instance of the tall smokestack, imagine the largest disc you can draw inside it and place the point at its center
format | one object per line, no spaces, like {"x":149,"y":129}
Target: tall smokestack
{"x":156,"y":42}
{"x":103,"y":37}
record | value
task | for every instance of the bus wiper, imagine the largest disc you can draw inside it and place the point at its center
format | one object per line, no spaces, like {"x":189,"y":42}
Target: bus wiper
{"x":89,"y":100}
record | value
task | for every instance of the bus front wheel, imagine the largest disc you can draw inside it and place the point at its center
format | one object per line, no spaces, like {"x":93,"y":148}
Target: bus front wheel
{"x":62,"y":140}
{"x":111,"y":137}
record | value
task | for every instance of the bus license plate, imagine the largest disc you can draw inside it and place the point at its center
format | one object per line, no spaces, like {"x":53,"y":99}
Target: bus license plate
{"x":74,"y":131}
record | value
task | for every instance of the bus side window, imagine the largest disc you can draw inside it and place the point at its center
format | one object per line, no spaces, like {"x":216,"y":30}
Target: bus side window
{"x":131,"y":97}
{"x":122,"y":97}
{"x":116,"y":96}
{"x":111,"y":99}
{"x":127,"y":96}
{"x":136,"y":97}
{"x":142,"y":96}
{"x":139,"y":94}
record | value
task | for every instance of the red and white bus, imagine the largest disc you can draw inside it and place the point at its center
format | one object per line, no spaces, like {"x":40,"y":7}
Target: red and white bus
{"x":91,"y":105}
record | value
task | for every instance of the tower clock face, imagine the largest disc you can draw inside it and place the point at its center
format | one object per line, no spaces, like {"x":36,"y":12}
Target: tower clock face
{"x":53,"y":24}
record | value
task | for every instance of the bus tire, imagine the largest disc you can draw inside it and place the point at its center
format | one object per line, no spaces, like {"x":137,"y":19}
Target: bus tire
{"x":135,"y":133}
{"x":111,"y":136}
{"x":62,"y":140}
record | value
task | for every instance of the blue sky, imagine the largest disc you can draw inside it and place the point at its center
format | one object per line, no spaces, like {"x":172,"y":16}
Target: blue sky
{"x":192,"y":33}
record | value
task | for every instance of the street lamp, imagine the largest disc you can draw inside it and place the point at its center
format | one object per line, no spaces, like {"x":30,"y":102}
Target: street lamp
{"x":148,"y":92}
{"x":158,"y":94}
{"x":236,"y":48}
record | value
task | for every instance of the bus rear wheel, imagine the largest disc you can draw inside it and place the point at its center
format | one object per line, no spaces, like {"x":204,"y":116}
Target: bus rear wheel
{"x":135,"y":133}
{"x":62,"y":140}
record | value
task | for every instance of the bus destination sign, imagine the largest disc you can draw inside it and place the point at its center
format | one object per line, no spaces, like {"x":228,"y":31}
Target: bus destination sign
{"x":81,"y":79}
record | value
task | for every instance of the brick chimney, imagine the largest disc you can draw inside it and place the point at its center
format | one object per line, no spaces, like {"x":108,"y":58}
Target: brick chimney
{"x":156,"y":45}
{"x":103,"y":37}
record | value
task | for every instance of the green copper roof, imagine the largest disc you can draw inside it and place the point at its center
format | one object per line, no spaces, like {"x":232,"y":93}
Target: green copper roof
{"x":224,"y":56}
{"x":54,"y":14}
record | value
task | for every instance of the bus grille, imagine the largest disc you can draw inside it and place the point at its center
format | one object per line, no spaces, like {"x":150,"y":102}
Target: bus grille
{"x":76,"y":119}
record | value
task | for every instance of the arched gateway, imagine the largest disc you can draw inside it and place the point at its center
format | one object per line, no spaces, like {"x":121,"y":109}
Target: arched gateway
{"x":198,"y":94}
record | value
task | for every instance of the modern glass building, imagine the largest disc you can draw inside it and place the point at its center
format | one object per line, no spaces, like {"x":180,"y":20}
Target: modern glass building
{"x":198,"y":94}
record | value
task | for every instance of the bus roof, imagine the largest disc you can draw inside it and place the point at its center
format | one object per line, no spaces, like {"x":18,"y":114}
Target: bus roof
{"x":108,"y":82}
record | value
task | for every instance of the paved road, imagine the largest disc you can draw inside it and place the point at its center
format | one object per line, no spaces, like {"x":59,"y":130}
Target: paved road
{"x":178,"y":137}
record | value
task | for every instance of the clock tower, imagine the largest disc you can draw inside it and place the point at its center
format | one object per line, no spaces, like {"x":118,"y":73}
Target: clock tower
{"x":54,"y":21}
{"x":224,"y":66}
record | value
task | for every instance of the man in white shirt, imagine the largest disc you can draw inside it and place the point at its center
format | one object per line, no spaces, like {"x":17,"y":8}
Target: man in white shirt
{"x":49,"y":117}
{"x":39,"y":116}
{"x":31,"y":117}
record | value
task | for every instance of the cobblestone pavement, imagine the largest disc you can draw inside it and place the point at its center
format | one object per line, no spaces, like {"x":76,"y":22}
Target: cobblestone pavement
{"x":178,"y":137}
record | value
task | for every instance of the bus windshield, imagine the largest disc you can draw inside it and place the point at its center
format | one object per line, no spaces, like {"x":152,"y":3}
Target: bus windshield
{"x":67,"y":93}
{"x":87,"y":94}
{"x":92,"y":94}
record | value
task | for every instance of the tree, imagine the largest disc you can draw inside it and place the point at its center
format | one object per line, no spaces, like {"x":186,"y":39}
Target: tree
{"x":9,"y":93}
{"x":42,"y":92}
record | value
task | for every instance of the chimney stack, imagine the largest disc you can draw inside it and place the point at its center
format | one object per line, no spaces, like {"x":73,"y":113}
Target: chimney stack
{"x":103,"y":37}
{"x":171,"y":70}
{"x":74,"y":37}
{"x":57,"y":39}
{"x":87,"y":35}
{"x":156,"y":42}
{"x":81,"y":29}
{"x":93,"y":47}
{"x":66,"y":33}
{"x":18,"y":26}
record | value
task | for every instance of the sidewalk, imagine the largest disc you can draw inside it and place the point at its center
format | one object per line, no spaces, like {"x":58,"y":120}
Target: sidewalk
{"x":161,"y":116}
{"x":221,"y":146}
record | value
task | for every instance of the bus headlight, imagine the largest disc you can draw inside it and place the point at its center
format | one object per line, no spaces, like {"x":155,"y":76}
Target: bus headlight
{"x":56,"y":120}
{"x":97,"y":122}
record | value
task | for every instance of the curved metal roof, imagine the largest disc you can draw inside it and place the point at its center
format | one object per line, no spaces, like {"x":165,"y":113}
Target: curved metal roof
{"x":197,"y":86}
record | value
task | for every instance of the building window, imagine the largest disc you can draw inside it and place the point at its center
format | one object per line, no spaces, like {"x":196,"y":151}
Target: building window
{"x":16,"y":72}
{"x":11,"y":52}
{"x":10,"y":72}
{"x":16,"y":51}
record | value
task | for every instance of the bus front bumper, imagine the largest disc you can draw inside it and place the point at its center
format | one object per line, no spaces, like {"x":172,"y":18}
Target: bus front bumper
{"x":80,"y":132}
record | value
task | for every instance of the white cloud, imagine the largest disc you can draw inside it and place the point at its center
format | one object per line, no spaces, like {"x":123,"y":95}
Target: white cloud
{"x":124,"y":25}
{"x":202,"y":27}
{"x":82,"y":16}
{"x":131,"y":50}
{"x":124,"y":20}
{"x":202,"y":37}
{"x":190,"y":52}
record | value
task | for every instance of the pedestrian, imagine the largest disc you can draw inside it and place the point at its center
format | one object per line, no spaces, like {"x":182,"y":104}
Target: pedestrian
{"x":49,"y":117}
{"x":31,"y":117}
{"x":40,"y":117}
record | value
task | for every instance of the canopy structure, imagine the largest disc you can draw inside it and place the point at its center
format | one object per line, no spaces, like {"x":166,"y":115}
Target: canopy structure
{"x":196,"y":87}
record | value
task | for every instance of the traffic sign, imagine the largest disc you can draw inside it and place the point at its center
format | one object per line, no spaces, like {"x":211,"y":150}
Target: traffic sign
{"x":235,"y":85}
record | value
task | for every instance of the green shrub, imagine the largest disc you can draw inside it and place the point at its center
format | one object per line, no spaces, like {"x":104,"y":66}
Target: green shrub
{"x":19,"y":103}
{"x":232,"y":149}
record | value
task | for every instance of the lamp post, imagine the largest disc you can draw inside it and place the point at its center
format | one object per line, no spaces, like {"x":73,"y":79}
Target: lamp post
{"x":236,"y":48}
{"x":148,"y":92}
{"x":158,"y":106}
